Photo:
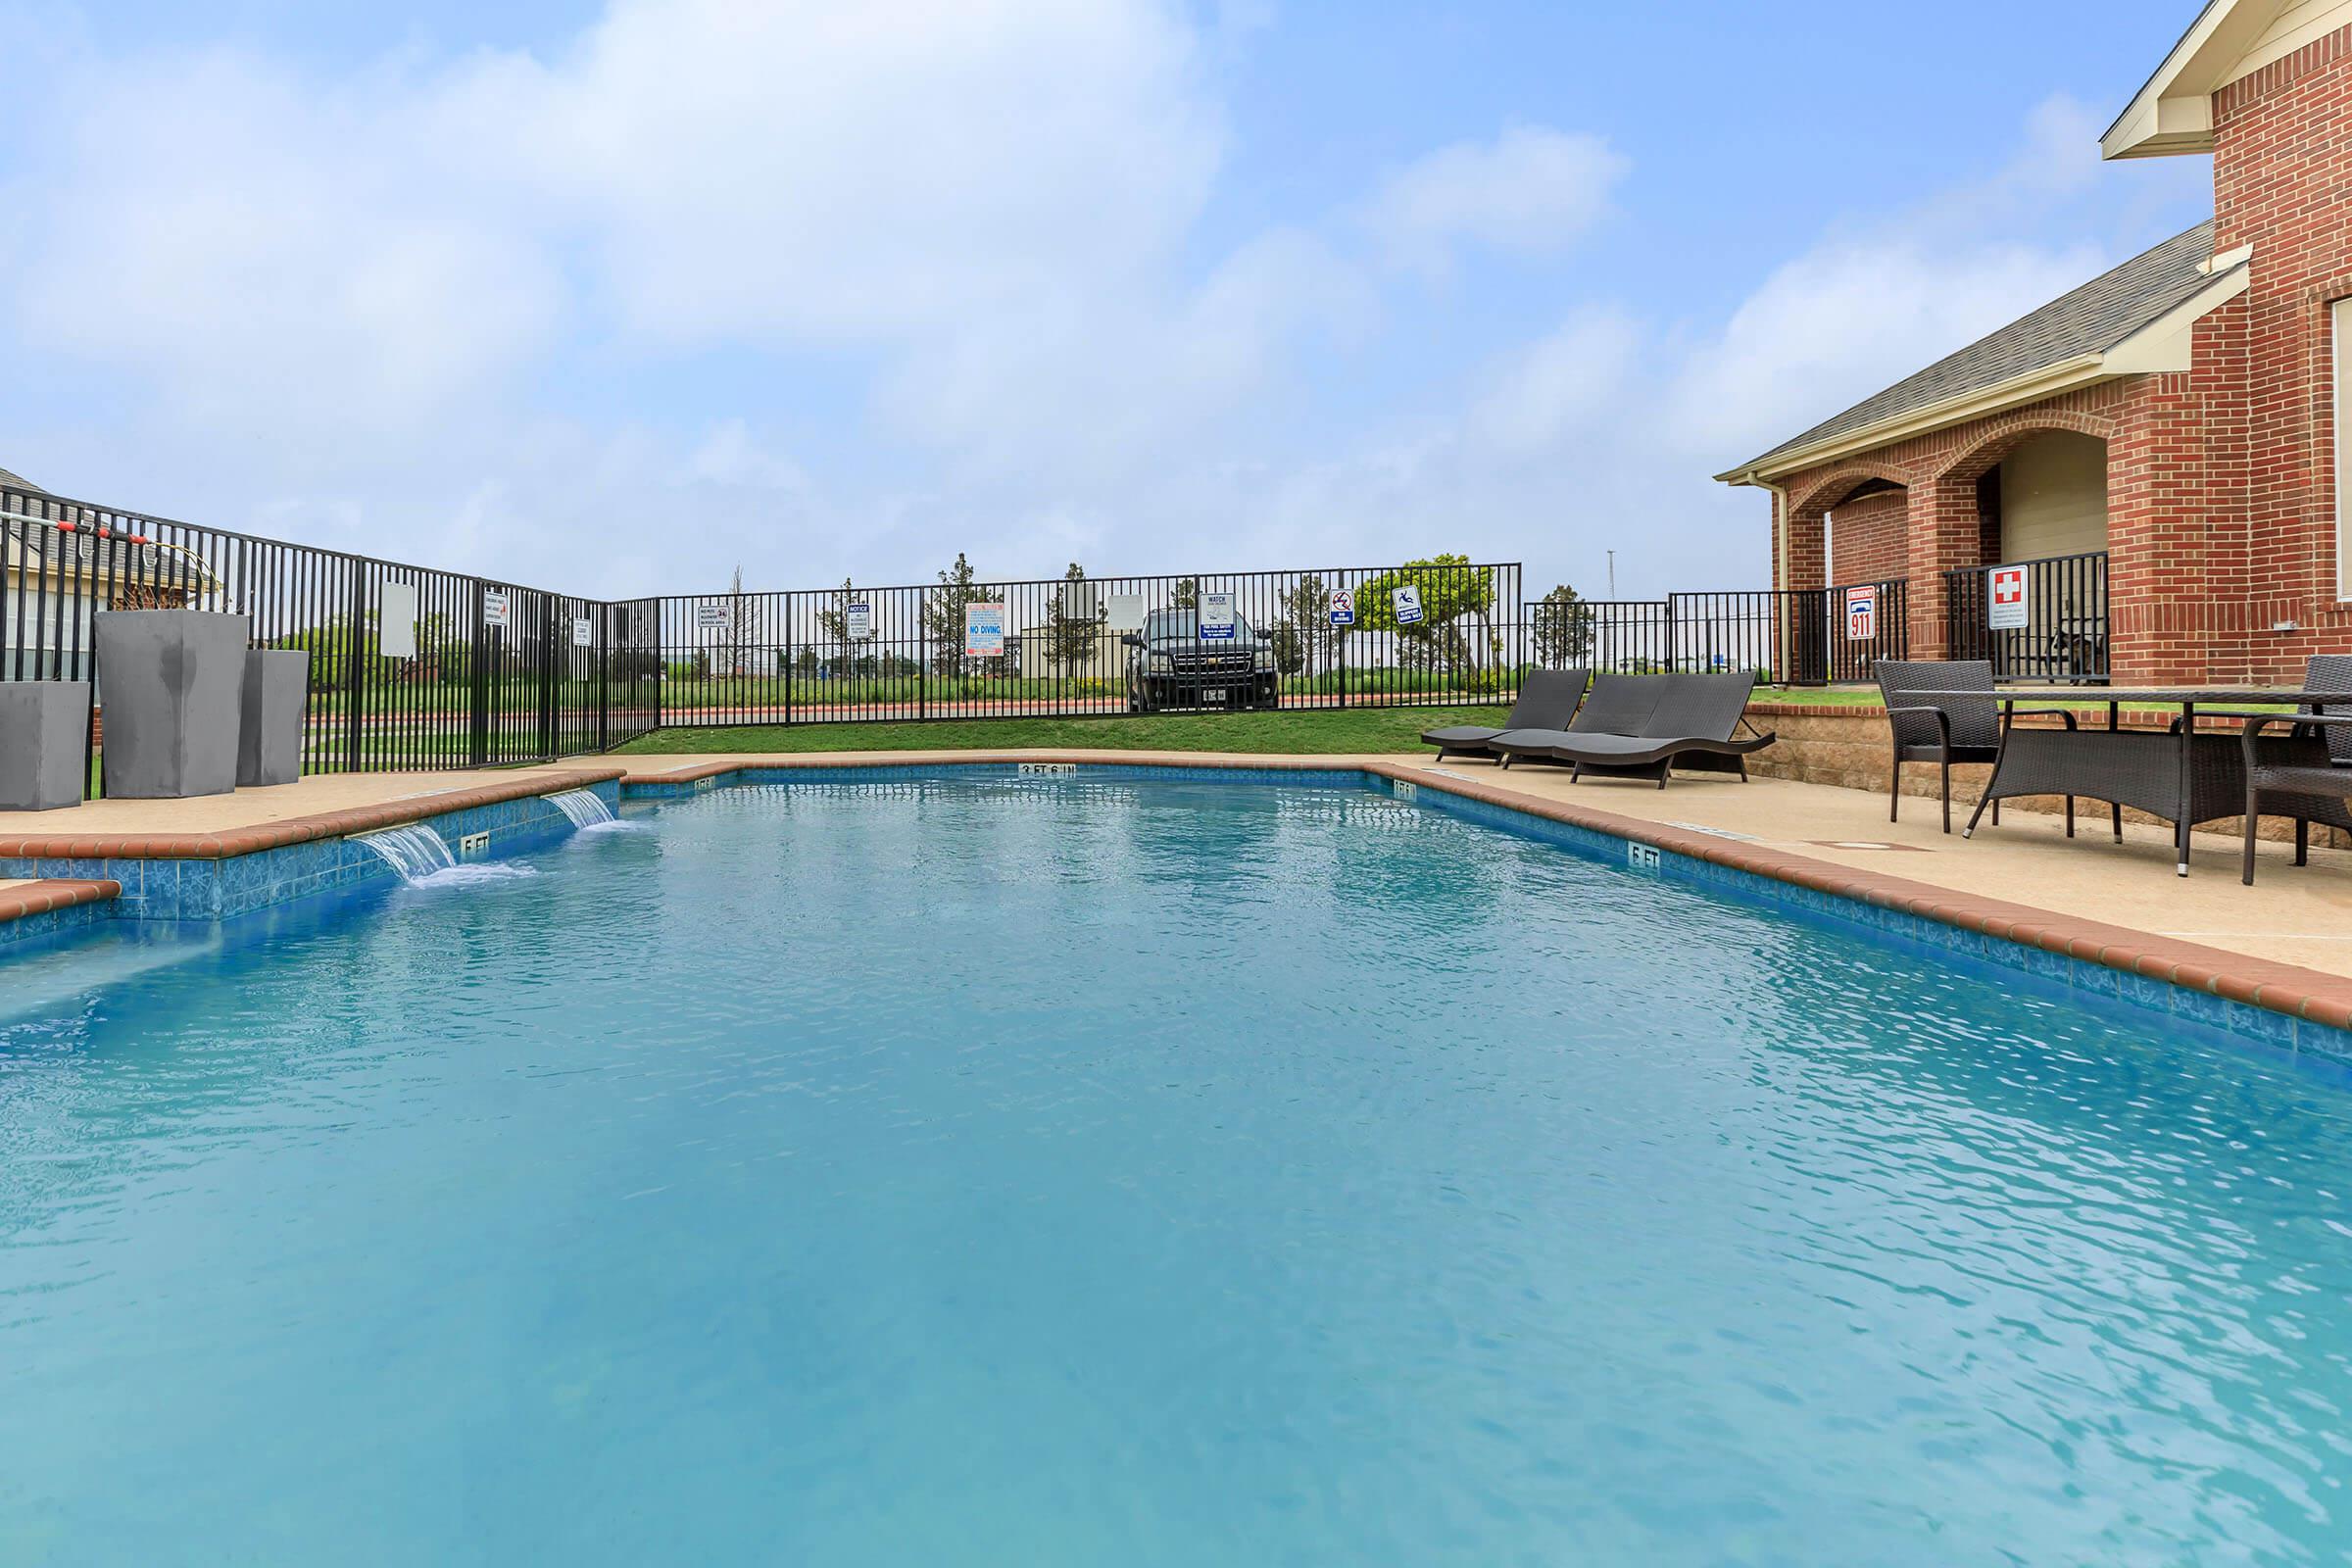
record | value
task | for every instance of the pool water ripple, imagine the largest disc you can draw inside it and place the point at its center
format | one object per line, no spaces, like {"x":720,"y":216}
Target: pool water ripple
{"x":1084,"y":1171}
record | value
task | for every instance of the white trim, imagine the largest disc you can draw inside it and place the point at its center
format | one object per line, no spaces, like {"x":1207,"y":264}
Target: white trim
{"x":2341,"y":310}
{"x":2166,"y":343}
{"x":2231,"y":40}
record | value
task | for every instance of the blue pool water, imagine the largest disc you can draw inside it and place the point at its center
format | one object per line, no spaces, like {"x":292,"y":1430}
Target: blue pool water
{"x":1076,"y":1173}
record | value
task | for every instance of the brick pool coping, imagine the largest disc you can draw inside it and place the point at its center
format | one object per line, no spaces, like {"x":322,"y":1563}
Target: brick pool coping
{"x":2281,"y":988}
{"x":25,"y":899}
{"x":342,"y":822}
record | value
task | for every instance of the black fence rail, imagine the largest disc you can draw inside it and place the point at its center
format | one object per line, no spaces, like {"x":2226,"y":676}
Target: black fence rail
{"x":1072,"y":647}
{"x":411,"y":667}
{"x":2042,"y":619}
{"x":1798,"y":637}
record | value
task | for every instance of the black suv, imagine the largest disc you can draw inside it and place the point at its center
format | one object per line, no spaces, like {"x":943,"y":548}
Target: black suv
{"x":1169,"y":664}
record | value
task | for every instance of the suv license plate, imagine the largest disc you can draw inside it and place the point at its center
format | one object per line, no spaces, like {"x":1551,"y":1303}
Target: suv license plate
{"x":1215,"y":694}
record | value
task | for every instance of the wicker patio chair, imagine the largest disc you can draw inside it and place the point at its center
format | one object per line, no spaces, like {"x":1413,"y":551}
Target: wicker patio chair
{"x":1951,"y":729}
{"x":2307,"y":773}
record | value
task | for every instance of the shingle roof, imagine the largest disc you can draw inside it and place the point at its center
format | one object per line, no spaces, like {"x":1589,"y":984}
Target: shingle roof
{"x":9,"y":481}
{"x":2091,"y":319}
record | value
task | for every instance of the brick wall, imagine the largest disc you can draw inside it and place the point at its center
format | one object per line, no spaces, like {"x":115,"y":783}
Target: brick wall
{"x":1867,"y":538}
{"x":2283,"y":183}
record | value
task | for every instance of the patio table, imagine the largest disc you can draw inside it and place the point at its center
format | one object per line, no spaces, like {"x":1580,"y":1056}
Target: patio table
{"x":2173,"y":773}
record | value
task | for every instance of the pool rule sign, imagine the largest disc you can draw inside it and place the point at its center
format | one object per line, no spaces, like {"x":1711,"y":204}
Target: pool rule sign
{"x":860,"y":616}
{"x":1407,"y":604}
{"x":1216,"y":618}
{"x":984,"y":631}
{"x":2005,"y":599}
{"x":498,"y":607}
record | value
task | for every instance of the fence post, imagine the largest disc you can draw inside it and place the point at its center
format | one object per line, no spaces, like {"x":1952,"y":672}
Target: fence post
{"x":479,"y":750}
{"x":355,"y":678}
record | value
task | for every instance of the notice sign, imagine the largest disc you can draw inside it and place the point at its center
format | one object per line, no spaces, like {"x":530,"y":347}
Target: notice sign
{"x":1407,"y":603}
{"x":583,"y":633}
{"x":2005,"y":599}
{"x":396,"y":621}
{"x":1216,"y":618}
{"x":984,"y":631}
{"x":1861,"y":614}
{"x":859,"y":617}
{"x":709,"y":616}
{"x":498,"y":607}
{"x":1343,"y":607}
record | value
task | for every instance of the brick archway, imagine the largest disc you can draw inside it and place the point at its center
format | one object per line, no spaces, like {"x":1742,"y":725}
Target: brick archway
{"x":1947,"y":525}
{"x":1807,"y":519}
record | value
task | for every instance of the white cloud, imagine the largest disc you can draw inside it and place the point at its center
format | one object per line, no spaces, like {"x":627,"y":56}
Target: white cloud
{"x":1532,"y":192}
{"x":1558,"y":383}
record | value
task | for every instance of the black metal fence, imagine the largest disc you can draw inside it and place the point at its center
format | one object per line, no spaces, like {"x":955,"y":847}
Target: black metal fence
{"x":414,"y":667}
{"x":411,"y":667}
{"x":1073,"y":647}
{"x":2040,"y":619}
{"x":1798,"y":637}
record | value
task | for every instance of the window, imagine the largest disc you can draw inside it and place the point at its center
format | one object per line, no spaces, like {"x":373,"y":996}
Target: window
{"x":2342,"y":311}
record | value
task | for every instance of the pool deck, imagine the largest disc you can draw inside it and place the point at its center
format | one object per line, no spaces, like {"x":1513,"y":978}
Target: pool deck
{"x":2284,"y":944}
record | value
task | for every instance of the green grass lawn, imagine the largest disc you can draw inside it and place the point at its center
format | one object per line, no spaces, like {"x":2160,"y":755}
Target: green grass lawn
{"x":1353,"y":729}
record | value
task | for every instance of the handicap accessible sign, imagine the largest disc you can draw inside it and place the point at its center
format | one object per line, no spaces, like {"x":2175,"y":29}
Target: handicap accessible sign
{"x":1216,"y":618}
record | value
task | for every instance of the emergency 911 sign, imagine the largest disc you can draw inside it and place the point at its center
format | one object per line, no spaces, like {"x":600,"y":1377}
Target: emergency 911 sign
{"x":1861,"y":614}
{"x":2005,"y":599}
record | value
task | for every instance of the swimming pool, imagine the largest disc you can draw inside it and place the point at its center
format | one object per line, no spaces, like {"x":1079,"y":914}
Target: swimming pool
{"x":1078,"y":1170}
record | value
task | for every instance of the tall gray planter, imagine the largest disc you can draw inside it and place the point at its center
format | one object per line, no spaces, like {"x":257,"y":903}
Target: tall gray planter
{"x":269,"y":733}
{"x":172,"y":685}
{"x":44,"y":735}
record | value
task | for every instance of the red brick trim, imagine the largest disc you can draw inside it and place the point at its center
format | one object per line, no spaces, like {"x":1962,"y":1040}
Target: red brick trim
{"x":2284,"y":987}
{"x":294,"y":830}
{"x":39,"y":897}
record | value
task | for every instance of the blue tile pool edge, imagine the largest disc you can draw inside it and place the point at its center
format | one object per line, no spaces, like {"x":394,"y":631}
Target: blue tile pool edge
{"x":233,"y":885}
{"x":2259,"y":1025}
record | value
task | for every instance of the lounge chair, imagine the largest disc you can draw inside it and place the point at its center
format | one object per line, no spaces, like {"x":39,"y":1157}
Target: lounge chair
{"x":1548,"y":700}
{"x":1645,"y":726}
{"x":1929,"y":727}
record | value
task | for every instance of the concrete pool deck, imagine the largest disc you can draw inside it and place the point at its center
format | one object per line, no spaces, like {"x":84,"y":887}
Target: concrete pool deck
{"x":2290,"y":936}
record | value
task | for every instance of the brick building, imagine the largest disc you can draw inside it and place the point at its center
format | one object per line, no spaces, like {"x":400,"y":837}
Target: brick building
{"x":2159,"y":446}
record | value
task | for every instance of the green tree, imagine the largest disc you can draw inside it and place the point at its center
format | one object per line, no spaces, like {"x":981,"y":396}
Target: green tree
{"x":1452,"y":589}
{"x":1070,"y":638}
{"x":807,"y":660}
{"x":1187,"y":595}
{"x":1562,"y":628}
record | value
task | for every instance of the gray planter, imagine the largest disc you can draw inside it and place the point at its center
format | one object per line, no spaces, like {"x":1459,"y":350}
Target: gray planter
{"x":44,"y":732}
{"x":270,"y":735}
{"x":173,"y":682}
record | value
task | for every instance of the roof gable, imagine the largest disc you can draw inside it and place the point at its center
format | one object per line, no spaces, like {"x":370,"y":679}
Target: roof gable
{"x":2173,"y":113}
{"x":2075,"y":332}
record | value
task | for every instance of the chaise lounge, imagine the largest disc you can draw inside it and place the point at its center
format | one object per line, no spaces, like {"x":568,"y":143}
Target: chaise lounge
{"x":1645,"y":726}
{"x":1547,"y":701}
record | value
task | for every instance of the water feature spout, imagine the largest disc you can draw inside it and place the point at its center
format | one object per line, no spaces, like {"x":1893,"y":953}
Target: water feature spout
{"x":415,"y":851}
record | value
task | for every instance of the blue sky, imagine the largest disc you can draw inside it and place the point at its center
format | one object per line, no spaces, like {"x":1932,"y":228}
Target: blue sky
{"x":614,"y":297}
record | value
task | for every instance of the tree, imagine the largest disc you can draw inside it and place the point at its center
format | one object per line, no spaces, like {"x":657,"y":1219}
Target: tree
{"x":943,"y":613}
{"x":807,"y":663}
{"x":1187,"y":595}
{"x":1451,"y":588}
{"x":1288,"y":648}
{"x":1307,"y":611}
{"x":1070,"y":638}
{"x":1561,"y":627}
{"x":835,"y":624}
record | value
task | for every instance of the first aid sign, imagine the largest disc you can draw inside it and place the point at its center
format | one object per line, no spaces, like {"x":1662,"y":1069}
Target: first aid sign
{"x":2005,"y":599}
